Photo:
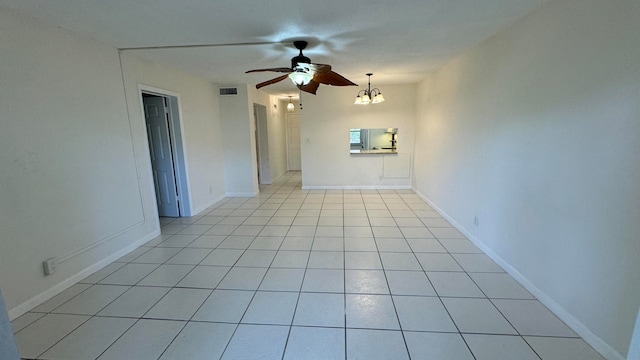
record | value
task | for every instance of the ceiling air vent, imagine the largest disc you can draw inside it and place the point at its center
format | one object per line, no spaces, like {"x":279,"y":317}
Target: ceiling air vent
{"x":228,"y":91}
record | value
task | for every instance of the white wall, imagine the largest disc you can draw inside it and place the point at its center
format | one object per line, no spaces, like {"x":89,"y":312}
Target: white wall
{"x":259,"y":97}
{"x":201,"y":127}
{"x":536,"y":132}
{"x":238,"y":127}
{"x":325,"y":121}
{"x":239,"y":144}
{"x":71,"y":153}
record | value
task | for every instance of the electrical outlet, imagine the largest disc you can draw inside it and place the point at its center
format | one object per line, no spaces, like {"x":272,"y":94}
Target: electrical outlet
{"x":50,"y":266}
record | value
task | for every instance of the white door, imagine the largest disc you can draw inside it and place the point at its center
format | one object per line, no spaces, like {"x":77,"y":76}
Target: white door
{"x":164,"y":177}
{"x":293,"y":142}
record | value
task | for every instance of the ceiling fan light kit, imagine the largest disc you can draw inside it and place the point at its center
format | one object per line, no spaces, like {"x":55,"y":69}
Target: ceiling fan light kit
{"x":369,"y":96}
{"x":300,"y":77}
{"x":304,"y":74}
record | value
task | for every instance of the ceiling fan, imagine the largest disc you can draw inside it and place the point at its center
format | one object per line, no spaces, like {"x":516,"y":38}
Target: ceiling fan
{"x":304,"y":74}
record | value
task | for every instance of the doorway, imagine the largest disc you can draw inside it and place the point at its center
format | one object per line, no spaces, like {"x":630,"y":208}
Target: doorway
{"x":164,"y":135}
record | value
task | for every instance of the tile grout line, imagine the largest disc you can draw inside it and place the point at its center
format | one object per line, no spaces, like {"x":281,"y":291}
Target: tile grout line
{"x":395,"y":308}
{"x":344,"y":285}
{"x":199,"y":307}
{"x":440,"y":298}
{"x":250,"y":301}
{"x":281,"y":195}
{"x":295,"y":309}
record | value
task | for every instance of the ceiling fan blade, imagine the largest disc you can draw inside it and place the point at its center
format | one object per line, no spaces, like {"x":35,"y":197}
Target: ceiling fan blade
{"x":333,"y":78}
{"x":311,"y":87}
{"x":281,"y":69}
{"x":321,"y":73}
{"x":319,"y":68}
{"x":272,"y":81}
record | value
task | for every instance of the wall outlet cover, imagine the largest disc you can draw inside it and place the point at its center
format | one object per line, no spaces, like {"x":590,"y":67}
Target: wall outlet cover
{"x":50,"y":266}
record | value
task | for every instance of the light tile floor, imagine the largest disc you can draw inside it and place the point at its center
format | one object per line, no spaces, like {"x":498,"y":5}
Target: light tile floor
{"x":293,"y":274}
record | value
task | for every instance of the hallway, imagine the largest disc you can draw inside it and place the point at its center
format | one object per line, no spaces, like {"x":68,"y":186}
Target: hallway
{"x":294,"y":274}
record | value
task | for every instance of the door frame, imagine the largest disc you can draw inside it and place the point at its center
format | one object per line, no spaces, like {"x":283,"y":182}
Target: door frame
{"x":262,"y":144}
{"x":178,"y":149}
{"x":286,"y":134}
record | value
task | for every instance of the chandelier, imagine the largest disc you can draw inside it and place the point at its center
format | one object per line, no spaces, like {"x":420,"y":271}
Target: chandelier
{"x":290,"y":106}
{"x":369,"y":96}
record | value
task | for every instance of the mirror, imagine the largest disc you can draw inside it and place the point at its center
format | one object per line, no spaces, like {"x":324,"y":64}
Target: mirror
{"x":373,"y":141}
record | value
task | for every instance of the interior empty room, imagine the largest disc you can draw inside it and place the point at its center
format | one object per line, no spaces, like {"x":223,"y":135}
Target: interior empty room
{"x":191,"y":180}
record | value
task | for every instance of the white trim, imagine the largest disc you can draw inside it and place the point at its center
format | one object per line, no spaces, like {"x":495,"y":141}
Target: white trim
{"x":91,"y":246}
{"x":260,"y":118}
{"x":358,"y":187}
{"x":281,"y":175}
{"x":64,"y":285}
{"x":286,"y":135}
{"x":180,"y":155}
{"x":157,"y":91}
{"x":576,"y":325}
{"x":286,"y":138}
{"x":207,"y":205}
{"x":179,"y":161}
{"x":241,"y":194}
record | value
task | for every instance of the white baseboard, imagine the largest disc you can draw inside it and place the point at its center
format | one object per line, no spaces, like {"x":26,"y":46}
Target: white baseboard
{"x":576,"y":325}
{"x":241,"y":194}
{"x":278,"y":177}
{"x":64,"y":285}
{"x":202,"y":208}
{"x":359,"y":187}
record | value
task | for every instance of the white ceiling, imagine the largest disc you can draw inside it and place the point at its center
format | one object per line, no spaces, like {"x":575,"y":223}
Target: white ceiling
{"x":399,"y":41}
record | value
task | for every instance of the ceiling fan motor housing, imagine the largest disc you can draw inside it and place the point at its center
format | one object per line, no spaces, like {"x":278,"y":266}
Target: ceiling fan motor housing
{"x":300,"y":45}
{"x":299,"y":59}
